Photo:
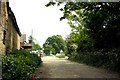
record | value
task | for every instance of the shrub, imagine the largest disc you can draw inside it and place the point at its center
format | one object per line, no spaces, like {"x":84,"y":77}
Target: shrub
{"x":60,"y":55}
{"x":102,"y":58}
{"x":51,"y":54}
{"x":19,"y":65}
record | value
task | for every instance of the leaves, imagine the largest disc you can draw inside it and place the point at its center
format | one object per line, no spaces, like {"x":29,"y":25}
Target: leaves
{"x":50,"y":3}
{"x":54,"y":44}
{"x":35,"y":45}
{"x":98,"y":18}
{"x":95,"y":33}
{"x":19,"y":65}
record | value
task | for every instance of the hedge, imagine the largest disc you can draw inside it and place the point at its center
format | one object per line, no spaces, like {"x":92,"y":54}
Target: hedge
{"x":19,"y":65}
{"x":105,"y":59}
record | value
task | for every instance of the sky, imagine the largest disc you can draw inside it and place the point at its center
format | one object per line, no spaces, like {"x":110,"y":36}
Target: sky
{"x":44,"y":21}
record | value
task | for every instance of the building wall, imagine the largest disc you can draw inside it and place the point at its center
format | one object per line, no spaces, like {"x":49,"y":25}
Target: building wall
{"x":3,"y":24}
{"x":23,"y":38}
{"x":13,"y":38}
{"x":7,"y":25}
{"x":18,"y":41}
{"x":9,"y":40}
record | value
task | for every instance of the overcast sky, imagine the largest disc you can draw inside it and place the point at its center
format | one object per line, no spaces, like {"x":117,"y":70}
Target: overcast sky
{"x":32,"y":14}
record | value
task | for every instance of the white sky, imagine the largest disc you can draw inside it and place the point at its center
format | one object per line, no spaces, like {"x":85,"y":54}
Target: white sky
{"x":32,"y":14}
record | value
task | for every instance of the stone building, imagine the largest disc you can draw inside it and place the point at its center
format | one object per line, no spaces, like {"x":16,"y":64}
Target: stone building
{"x":9,"y":30}
{"x":13,"y":33}
{"x":3,"y":25}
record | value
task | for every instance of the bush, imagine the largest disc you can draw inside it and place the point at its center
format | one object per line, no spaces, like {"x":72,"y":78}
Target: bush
{"x":19,"y":65}
{"x":60,"y":55}
{"x":51,"y":54}
{"x":105,"y":59}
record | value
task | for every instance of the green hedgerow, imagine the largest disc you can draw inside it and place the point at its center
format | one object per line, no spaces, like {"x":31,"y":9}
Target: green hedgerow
{"x":19,"y":65}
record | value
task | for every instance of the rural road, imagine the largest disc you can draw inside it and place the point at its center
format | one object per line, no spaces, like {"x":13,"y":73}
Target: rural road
{"x":53,"y":67}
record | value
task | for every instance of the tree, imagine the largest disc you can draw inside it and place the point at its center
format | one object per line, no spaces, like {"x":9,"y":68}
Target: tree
{"x":54,"y":44}
{"x":48,"y":49}
{"x":35,"y":45}
{"x":100,"y":20}
{"x":97,"y":26}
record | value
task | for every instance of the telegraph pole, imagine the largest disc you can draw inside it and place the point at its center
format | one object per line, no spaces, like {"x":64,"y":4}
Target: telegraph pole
{"x":32,"y":39}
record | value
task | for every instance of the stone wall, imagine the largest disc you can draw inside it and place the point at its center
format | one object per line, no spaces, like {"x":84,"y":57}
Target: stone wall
{"x":13,"y":38}
{"x":18,"y":41}
{"x":3,"y":24}
{"x":13,"y":33}
{"x":8,"y":26}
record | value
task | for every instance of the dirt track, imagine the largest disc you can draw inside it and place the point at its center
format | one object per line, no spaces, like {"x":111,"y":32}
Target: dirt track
{"x":53,"y":67}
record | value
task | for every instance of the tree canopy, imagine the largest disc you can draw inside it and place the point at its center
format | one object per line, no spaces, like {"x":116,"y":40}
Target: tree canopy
{"x":54,"y":44}
{"x":96,"y":21}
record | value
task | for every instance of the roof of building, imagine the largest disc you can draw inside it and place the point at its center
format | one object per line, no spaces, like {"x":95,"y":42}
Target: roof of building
{"x":11,"y":14}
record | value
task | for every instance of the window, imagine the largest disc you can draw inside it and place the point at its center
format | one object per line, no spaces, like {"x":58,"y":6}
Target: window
{"x":4,"y":36}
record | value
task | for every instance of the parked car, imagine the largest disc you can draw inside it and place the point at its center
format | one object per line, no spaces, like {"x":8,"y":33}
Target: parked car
{"x":38,"y":52}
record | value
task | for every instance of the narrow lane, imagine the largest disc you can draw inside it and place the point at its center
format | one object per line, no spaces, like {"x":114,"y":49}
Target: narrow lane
{"x":53,"y":67}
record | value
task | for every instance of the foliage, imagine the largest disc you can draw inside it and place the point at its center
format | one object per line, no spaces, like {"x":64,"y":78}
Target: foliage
{"x":48,"y":49}
{"x":102,"y":58}
{"x":54,"y":44}
{"x":95,"y":27}
{"x":60,"y":55}
{"x":51,"y":55}
{"x":100,"y":20}
{"x":35,"y":45}
{"x":19,"y":65}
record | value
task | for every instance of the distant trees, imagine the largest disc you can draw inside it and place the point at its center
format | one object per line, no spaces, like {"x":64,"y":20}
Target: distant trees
{"x":35,"y":45}
{"x":54,"y":44}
